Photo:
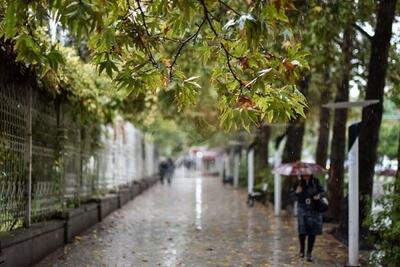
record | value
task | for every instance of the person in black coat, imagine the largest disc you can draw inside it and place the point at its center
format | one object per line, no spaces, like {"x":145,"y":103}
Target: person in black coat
{"x":309,"y":220}
{"x":163,"y":169}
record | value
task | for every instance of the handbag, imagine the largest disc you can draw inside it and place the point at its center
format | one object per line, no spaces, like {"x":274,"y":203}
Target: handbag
{"x":322,"y":204}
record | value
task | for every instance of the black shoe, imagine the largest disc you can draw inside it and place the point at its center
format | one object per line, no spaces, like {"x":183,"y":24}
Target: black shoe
{"x":309,"y":257}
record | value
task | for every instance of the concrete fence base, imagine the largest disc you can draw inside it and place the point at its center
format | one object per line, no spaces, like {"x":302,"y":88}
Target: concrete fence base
{"x":78,"y":220}
{"x":124,"y":196}
{"x":107,"y":205}
{"x":25,"y":247}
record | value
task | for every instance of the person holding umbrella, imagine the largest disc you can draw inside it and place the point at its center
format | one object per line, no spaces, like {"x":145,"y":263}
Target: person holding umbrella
{"x":309,"y":219}
{"x":310,"y":202}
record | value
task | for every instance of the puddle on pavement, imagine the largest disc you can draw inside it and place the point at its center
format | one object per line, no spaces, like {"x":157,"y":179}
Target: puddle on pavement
{"x":198,"y":203}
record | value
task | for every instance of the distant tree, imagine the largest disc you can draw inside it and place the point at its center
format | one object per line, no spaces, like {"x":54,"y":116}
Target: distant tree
{"x":262,"y":144}
{"x":338,"y":145}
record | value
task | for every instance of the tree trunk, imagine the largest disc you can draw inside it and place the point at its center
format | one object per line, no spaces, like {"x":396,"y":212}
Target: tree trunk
{"x":294,"y":141}
{"x":372,"y":115}
{"x":324,"y":126}
{"x":294,"y":144}
{"x":262,"y":142}
{"x":338,"y":145}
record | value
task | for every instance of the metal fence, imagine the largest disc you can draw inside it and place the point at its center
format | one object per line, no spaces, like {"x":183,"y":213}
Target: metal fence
{"x":49,"y":162}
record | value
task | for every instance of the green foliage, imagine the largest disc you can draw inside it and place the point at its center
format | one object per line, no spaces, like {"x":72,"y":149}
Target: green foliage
{"x":91,"y":93}
{"x":141,"y":46}
{"x":264,"y":176}
{"x":385,"y":226}
{"x":388,"y":140}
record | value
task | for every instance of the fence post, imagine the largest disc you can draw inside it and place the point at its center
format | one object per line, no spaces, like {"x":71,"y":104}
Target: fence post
{"x":28,"y":159}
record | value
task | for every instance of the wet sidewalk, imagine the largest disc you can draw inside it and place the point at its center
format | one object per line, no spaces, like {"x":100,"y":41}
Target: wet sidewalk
{"x":196,"y":221}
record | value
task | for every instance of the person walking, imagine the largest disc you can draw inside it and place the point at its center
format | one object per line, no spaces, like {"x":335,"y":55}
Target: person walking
{"x":170,"y":170}
{"x":163,"y":170}
{"x":309,"y":220}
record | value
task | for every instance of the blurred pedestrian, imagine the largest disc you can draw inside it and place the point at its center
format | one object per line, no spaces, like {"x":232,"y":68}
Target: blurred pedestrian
{"x":170,"y":169}
{"x":308,"y":193}
{"x":163,"y":170}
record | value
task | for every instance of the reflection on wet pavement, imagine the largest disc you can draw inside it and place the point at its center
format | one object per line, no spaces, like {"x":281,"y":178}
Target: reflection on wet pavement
{"x":195,"y":221}
{"x":198,"y":203}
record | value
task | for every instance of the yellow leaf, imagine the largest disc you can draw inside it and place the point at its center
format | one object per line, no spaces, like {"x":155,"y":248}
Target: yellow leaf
{"x":317,"y":9}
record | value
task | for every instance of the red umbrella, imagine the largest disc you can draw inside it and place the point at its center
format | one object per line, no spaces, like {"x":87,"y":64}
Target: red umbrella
{"x":298,"y":168}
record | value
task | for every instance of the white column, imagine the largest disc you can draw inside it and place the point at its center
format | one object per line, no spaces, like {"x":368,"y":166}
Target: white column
{"x":353,"y":205}
{"x":221,"y":161}
{"x":228,"y":170}
{"x":236,"y":170}
{"x":250,"y":171}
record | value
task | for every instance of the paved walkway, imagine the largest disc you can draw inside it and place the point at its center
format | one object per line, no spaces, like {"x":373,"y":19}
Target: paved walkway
{"x":194,"y":222}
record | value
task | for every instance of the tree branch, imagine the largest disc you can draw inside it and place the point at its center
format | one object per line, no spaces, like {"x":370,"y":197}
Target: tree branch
{"x":228,"y":60}
{"x":227,"y":54}
{"x":152,"y":59}
{"x":362,"y":31}
{"x":128,"y":5}
{"x":143,"y":17}
{"x":338,"y":41}
{"x":229,"y":7}
{"x":183,"y":43}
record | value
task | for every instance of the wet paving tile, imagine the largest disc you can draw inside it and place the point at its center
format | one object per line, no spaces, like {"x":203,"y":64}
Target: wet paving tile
{"x":196,"y":221}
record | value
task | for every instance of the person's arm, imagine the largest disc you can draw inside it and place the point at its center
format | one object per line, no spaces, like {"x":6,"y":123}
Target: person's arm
{"x":320,"y":190}
{"x":296,"y":190}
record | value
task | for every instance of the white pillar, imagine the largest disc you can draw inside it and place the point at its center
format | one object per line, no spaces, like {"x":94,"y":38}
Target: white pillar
{"x":278,"y":180}
{"x":250,"y":171}
{"x":353,"y":205}
{"x":222,"y":164}
{"x":236,"y":170}
{"x":228,"y":165}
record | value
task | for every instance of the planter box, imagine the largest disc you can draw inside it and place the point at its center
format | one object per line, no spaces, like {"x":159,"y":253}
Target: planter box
{"x":25,"y":247}
{"x":150,"y":181}
{"x":143,"y":185}
{"x":135,"y":189}
{"x":80,"y":219}
{"x":125,"y":194}
{"x":107,"y":205}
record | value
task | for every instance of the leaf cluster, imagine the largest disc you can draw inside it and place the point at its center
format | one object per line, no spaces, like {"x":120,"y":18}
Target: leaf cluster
{"x":139,"y":45}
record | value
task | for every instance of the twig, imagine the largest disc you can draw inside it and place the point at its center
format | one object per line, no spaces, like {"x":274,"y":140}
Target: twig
{"x":227,"y":54}
{"x":183,"y":43}
{"x":143,"y":17}
{"x":362,"y":31}
{"x":338,"y":41}
{"x":152,"y":59}
{"x":228,"y":59}
{"x":163,"y":38}
{"x":229,"y":7}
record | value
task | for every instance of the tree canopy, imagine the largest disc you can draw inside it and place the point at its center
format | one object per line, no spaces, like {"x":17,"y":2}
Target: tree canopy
{"x":251,"y":55}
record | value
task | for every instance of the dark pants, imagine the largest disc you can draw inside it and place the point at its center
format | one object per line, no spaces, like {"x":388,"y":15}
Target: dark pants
{"x":309,"y":222}
{"x":310,"y":243}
